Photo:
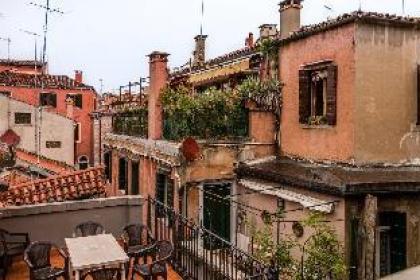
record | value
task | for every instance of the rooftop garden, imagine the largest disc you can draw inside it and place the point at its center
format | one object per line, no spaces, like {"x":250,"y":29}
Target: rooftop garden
{"x":131,"y":122}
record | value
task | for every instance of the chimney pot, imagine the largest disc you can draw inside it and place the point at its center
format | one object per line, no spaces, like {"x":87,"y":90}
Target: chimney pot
{"x":78,"y":76}
{"x":249,"y":41}
{"x":289,"y":17}
{"x":200,"y":50}
{"x":268,"y":31}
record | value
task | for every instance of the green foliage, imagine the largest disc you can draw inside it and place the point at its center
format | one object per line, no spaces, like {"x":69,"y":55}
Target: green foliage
{"x":213,"y":114}
{"x":266,"y":94}
{"x":323,"y":255}
{"x":269,"y":48}
{"x":132,"y":122}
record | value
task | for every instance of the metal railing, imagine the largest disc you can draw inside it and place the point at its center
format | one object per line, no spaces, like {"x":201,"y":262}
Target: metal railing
{"x":200,"y":253}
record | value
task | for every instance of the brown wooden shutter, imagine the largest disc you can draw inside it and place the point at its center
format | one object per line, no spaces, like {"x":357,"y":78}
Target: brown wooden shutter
{"x":418,"y":94}
{"x":304,"y":96}
{"x":332,"y":95}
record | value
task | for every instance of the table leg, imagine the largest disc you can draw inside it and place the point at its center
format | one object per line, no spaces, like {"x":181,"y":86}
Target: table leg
{"x":122,"y":272}
{"x":76,"y":275}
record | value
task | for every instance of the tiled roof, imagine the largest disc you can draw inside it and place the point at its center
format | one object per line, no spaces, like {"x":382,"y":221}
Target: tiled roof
{"x":360,"y":16}
{"x":49,"y":165}
{"x":234,"y":55}
{"x":16,"y":62}
{"x":10,"y":138}
{"x":77,"y":185}
{"x":8,"y":78}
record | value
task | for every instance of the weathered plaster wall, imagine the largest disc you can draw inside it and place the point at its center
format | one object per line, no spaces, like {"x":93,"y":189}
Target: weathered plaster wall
{"x":31,"y":96}
{"x":321,"y":143}
{"x":386,"y":94}
{"x":53,"y":128}
{"x":269,"y":203}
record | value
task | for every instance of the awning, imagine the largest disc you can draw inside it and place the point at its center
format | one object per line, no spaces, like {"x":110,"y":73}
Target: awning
{"x":306,"y":201}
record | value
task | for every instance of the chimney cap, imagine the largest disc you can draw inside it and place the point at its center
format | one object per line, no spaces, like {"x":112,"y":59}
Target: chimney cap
{"x":265,"y":25}
{"x":158,"y":53}
{"x":200,"y":36}
{"x":286,"y":3}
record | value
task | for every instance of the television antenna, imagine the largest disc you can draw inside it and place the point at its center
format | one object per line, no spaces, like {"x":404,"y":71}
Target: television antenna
{"x":403,"y":7}
{"x":8,"y":45}
{"x":35,"y":35}
{"x":48,"y":10}
{"x":328,"y":9}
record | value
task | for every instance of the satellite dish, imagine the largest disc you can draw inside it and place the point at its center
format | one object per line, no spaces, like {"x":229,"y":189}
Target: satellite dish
{"x":190,"y":149}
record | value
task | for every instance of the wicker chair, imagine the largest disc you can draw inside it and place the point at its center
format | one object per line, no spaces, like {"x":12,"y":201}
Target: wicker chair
{"x":12,"y":245}
{"x":37,"y":257}
{"x":102,"y":274}
{"x":161,"y":252}
{"x":137,"y":241}
{"x":87,"y":229}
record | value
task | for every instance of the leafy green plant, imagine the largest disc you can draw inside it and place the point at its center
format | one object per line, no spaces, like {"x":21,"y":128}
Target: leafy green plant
{"x":213,"y":114}
{"x":132,"y":122}
{"x":322,"y":252}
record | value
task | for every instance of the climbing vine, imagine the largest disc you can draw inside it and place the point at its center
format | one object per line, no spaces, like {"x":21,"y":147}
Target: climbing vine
{"x":321,"y":253}
{"x":132,"y":122}
{"x":213,"y":114}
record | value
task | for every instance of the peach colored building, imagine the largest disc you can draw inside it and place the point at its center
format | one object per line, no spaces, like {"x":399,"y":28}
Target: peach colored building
{"x":348,"y":137}
{"x":61,"y":95}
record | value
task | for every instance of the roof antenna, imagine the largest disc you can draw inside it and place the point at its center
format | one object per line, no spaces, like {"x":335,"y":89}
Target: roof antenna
{"x":329,"y":10}
{"x":48,"y":10}
{"x":8,"y":46}
{"x":403,"y":7}
{"x":202,"y":17}
{"x":35,"y":41}
{"x":360,"y":5}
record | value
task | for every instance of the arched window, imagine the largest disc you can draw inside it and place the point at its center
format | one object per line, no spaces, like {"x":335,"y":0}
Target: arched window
{"x":83,"y":162}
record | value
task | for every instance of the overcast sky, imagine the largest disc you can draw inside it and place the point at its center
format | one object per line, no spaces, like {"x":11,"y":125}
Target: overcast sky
{"x":110,"y":39}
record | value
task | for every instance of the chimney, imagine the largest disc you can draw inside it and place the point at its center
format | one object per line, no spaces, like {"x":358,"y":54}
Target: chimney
{"x":158,"y":72}
{"x":200,"y":50}
{"x":268,"y":31}
{"x":70,"y":108}
{"x":289,"y":17}
{"x":78,"y":76}
{"x":249,"y":41}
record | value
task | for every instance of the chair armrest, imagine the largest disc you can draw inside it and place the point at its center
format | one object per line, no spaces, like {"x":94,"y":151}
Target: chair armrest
{"x":27,"y":261}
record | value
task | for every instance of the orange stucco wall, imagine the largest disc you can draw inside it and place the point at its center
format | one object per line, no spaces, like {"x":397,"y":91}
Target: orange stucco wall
{"x":31,"y":96}
{"x":321,"y":143}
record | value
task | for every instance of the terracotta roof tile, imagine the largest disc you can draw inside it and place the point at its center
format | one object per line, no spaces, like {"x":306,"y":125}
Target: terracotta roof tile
{"x":82,"y":184}
{"x":359,"y":16}
{"x":15,"y":62}
{"x":9,"y":78}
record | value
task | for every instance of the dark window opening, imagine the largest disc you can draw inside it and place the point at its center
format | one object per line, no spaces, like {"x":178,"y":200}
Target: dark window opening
{"x":216,"y":212}
{"x":77,"y":99}
{"x":83,"y":162}
{"x":164,"y":192}
{"x":77,"y":133}
{"x":135,"y":178}
{"x":53,"y":144}
{"x":418,"y":94}
{"x":392,"y":234}
{"x":48,"y":99}
{"x":123,"y":175}
{"x":108,"y":166}
{"x":23,"y":118}
{"x":6,"y":93}
{"x":318,"y":94}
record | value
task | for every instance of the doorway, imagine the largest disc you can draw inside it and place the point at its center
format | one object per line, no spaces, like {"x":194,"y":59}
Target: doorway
{"x":135,"y":178}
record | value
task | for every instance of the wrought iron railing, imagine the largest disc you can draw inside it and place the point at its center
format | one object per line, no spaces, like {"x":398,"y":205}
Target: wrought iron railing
{"x":131,"y":123}
{"x":200,"y":253}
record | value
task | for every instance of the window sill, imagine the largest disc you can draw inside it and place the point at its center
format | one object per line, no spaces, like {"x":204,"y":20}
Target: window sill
{"x":321,"y":126}
{"x":23,"y":124}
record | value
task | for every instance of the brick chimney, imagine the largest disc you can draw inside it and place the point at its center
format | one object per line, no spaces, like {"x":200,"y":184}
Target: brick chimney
{"x":249,"y":41}
{"x":70,"y":108}
{"x":78,"y":76}
{"x":200,"y":50}
{"x":268,"y":31}
{"x":158,"y":72}
{"x":289,"y":17}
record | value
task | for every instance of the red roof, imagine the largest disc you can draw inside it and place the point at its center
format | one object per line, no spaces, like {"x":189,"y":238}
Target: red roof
{"x":8,"y":78}
{"x":10,"y":138}
{"x":83,"y":184}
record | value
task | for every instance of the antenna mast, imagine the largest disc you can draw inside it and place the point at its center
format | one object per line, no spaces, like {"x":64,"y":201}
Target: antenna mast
{"x":48,"y":10}
{"x":403,"y":7}
{"x":8,"y":46}
{"x":202,"y":17}
{"x":35,"y":44}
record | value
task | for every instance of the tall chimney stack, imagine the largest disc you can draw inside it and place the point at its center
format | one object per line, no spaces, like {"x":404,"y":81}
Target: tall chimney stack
{"x":78,"y":76}
{"x":158,"y":72}
{"x":268,"y":31}
{"x":249,"y":41}
{"x":289,"y":17}
{"x":200,"y":50}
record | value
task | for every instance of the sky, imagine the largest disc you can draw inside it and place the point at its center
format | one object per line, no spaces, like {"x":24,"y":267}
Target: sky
{"x":109,"y":39}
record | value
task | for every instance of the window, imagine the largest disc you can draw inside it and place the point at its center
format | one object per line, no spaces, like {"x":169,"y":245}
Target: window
{"x":317,"y":94}
{"x":23,"y":118}
{"x":77,"y":99}
{"x":53,"y":144}
{"x":48,"y":99}
{"x":6,"y":93}
{"x":83,"y":162}
{"x":78,"y":133}
{"x":418,"y":94}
